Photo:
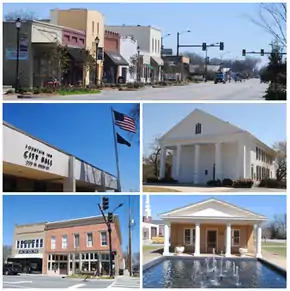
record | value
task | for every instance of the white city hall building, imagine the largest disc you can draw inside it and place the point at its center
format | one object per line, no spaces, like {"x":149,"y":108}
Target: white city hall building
{"x":32,"y":165}
{"x":205,"y":148}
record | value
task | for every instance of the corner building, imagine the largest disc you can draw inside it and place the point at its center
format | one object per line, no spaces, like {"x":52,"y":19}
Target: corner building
{"x":81,"y":245}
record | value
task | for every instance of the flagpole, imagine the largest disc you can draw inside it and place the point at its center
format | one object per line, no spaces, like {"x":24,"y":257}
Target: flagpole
{"x":116,"y":152}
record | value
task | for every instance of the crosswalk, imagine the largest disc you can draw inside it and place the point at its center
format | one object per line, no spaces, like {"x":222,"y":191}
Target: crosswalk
{"x":125,"y":282}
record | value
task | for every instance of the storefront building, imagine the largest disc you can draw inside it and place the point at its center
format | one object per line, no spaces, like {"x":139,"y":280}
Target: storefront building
{"x":31,"y":165}
{"x":28,"y":247}
{"x":81,"y":245}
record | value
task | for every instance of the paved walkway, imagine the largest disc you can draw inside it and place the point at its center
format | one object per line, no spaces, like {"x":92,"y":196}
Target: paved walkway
{"x":275,"y":259}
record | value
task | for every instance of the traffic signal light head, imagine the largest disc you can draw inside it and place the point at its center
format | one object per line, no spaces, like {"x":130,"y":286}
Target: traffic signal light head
{"x":110,"y":217}
{"x":244,"y":52}
{"x":222,"y":46}
{"x":204,"y":46}
{"x":105,"y":203}
{"x":262,"y":52}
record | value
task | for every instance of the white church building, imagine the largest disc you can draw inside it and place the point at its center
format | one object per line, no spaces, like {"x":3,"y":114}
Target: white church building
{"x":205,"y":148}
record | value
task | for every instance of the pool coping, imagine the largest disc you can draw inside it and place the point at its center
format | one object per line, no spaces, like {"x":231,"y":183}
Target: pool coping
{"x":271,"y":265}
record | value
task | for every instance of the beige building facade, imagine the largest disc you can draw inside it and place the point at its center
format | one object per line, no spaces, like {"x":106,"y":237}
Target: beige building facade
{"x":213,"y":226}
{"x":92,"y":23}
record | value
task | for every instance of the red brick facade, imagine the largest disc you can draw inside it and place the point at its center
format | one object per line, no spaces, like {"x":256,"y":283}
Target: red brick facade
{"x":112,"y":41}
{"x":95,"y":226}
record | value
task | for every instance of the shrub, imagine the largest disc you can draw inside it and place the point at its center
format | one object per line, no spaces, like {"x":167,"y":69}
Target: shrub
{"x":243,"y":183}
{"x":272,"y":183}
{"x":214,"y":183}
{"x":227,"y":182}
{"x":163,"y":180}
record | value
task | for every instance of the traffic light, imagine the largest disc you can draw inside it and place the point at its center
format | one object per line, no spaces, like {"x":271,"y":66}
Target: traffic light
{"x":105,"y":203}
{"x":114,"y":253}
{"x":204,"y":46}
{"x":244,"y":52}
{"x":262,"y":52}
{"x":110,"y":217}
{"x":222,"y":46}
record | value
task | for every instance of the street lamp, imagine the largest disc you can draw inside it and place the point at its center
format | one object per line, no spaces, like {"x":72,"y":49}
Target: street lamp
{"x":138,"y":63}
{"x":18,"y":26}
{"x":178,"y":34}
{"x":97,"y":40}
{"x":161,"y":53}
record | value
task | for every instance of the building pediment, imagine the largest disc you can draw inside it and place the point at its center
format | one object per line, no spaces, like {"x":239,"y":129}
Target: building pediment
{"x":200,"y":124}
{"x":212,"y":209}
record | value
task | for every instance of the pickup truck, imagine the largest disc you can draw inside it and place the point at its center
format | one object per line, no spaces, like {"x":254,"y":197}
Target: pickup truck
{"x":220,"y":78}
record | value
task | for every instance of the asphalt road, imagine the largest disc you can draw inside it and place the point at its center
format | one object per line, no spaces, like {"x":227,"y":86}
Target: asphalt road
{"x":38,"y":281}
{"x":249,"y":90}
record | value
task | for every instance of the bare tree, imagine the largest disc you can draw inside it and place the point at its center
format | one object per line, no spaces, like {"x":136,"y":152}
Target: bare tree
{"x":281,"y":222}
{"x":281,"y":150}
{"x":135,"y":114}
{"x":7,"y":252}
{"x":273,"y":19}
{"x":133,"y":64}
{"x":22,"y":14}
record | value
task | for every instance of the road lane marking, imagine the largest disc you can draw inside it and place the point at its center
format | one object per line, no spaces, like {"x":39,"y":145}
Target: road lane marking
{"x":76,"y":286}
{"x":14,"y":286}
{"x":16,"y":282}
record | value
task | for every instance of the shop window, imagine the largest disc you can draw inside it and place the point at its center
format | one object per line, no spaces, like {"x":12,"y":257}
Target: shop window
{"x":18,"y":244}
{"x":96,"y":256}
{"x":37,"y":243}
{"x":40,"y":243}
{"x":83,"y":257}
{"x":91,"y":256}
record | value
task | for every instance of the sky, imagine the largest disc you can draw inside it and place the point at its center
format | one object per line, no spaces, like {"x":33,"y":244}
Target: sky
{"x":83,"y":130}
{"x":268,"y":205}
{"x":25,"y":209}
{"x":253,"y":117}
{"x":208,"y":22}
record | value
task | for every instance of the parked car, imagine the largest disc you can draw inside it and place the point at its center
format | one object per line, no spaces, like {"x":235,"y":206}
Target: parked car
{"x":10,"y":269}
{"x":136,"y":269}
{"x":220,"y":78}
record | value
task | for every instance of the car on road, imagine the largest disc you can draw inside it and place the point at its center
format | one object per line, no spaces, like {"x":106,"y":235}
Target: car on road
{"x":220,"y":78}
{"x":136,"y":270}
{"x":10,"y":269}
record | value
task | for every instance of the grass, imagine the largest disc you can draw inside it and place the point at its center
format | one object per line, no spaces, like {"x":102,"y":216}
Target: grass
{"x":275,"y":248}
{"x":78,"y":92}
{"x":158,"y":189}
{"x":151,"y":248}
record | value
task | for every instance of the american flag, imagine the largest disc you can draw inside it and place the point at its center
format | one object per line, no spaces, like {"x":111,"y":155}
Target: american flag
{"x":125,"y":122}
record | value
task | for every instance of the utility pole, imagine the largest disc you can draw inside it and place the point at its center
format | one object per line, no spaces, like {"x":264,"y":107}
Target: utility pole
{"x":130,"y":239}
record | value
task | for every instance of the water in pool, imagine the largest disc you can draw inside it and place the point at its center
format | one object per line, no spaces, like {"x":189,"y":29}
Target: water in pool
{"x":212,"y":273}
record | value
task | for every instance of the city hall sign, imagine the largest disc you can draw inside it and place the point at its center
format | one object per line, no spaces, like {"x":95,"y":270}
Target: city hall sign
{"x":28,"y":252}
{"x":37,"y":158}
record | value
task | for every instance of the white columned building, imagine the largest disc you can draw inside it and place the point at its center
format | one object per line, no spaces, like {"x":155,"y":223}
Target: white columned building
{"x":206,"y":148}
{"x":211,"y":226}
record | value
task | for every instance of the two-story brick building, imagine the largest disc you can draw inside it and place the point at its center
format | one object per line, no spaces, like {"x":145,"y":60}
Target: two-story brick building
{"x":68,"y":247}
{"x":113,"y":60}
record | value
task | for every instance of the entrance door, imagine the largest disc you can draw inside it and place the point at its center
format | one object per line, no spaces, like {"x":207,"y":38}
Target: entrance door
{"x":211,"y":241}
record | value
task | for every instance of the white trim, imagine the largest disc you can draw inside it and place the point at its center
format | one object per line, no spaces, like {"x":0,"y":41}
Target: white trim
{"x":233,"y":230}
{"x":64,"y":241}
{"x":192,"y":239}
{"x":53,"y":239}
{"x":217,"y":237}
{"x":87,"y":240}
{"x":101,"y":232}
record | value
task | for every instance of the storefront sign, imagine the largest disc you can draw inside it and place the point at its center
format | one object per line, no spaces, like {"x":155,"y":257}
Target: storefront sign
{"x":37,"y":158}
{"x":11,"y":52}
{"x":28,"y":252}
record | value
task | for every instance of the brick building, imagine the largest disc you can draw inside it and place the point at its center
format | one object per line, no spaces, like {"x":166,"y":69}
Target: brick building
{"x":113,"y":60}
{"x":81,"y":245}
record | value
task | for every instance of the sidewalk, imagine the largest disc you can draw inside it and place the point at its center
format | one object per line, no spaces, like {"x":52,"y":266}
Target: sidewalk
{"x":275,"y":259}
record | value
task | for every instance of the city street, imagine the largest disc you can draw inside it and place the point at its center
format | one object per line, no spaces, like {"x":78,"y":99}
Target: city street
{"x":39,"y":281}
{"x":249,"y":90}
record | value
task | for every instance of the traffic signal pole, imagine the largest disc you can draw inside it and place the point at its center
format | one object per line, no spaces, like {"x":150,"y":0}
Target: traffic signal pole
{"x":110,"y":249}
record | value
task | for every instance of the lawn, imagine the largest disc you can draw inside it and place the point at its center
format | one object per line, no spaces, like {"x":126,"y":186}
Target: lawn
{"x":275,"y":248}
{"x":151,"y":248}
{"x":158,"y":189}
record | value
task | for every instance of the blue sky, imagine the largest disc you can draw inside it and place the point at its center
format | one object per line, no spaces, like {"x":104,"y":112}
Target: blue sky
{"x":268,"y":205}
{"x":227,"y":22}
{"x":159,"y":118}
{"x":83,"y":130}
{"x":24,"y":209}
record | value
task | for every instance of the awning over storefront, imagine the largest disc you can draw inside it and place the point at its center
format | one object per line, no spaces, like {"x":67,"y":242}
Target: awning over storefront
{"x":117,"y":59}
{"x":148,"y":66}
{"x":157,"y":60}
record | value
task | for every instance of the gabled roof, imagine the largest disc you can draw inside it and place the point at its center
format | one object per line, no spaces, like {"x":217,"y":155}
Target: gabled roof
{"x":233,"y":128}
{"x":209,"y":209}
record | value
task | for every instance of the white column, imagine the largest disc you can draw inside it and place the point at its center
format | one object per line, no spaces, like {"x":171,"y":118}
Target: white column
{"x":166,"y":239}
{"x":178,"y":153}
{"x":197,"y":240}
{"x":69,"y":184}
{"x":173,"y":168}
{"x":196,"y":163}
{"x":228,"y":240}
{"x":149,"y":233}
{"x":241,"y":160}
{"x":218,"y":166}
{"x":162,"y":163}
{"x":259,"y":241}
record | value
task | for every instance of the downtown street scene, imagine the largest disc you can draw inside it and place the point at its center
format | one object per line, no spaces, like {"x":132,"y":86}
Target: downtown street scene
{"x":85,"y":242}
{"x":234,"y":51}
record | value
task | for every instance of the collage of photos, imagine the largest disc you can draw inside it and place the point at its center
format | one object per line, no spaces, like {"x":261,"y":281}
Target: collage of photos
{"x":140,"y":152}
